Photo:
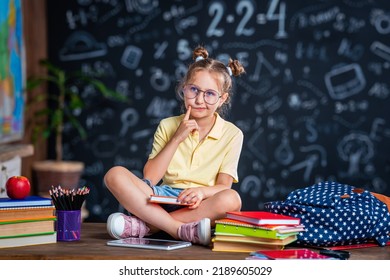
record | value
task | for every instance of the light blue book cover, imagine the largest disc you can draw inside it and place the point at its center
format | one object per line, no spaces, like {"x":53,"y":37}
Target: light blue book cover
{"x":6,"y":202}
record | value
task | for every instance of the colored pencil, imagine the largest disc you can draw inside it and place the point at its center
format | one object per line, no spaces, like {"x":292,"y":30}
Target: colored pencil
{"x":68,"y":199}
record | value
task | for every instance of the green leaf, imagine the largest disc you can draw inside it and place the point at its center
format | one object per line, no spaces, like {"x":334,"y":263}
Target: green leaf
{"x":78,"y":126}
{"x":57,"y":118}
{"x":75,"y":102}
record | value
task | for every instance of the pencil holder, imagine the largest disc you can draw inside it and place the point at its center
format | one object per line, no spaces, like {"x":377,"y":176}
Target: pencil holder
{"x":68,"y":225}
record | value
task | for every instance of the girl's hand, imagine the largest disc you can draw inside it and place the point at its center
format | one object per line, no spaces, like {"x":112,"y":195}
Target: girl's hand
{"x":192,"y":197}
{"x":186,"y":127}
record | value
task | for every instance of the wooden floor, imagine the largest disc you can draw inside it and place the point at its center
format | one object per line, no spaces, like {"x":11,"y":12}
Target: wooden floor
{"x":92,"y":246}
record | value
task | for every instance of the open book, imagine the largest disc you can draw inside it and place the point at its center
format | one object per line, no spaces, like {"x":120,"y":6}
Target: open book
{"x":166,"y":200}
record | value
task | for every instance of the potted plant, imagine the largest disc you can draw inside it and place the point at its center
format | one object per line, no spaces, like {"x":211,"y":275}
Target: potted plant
{"x":61,"y":100}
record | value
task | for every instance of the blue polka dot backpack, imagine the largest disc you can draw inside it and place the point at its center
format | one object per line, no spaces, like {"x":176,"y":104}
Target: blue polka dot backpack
{"x":336,"y":214}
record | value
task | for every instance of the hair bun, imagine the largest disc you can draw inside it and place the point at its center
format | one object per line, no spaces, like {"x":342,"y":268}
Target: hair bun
{"x":236,"y":67}
{"x":200,"y":52}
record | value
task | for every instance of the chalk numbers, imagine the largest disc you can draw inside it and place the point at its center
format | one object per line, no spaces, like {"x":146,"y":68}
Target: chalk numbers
{"x":245,"y":11}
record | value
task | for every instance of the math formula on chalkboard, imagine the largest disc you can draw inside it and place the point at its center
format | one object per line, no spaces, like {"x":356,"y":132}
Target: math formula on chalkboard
{"x":314,"y":103}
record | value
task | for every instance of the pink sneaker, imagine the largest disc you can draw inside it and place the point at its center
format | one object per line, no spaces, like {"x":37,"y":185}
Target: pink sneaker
{"x":197,"y":232}
{"x":120,"y":226}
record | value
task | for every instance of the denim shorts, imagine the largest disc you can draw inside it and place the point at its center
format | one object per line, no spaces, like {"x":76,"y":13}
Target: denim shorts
{"x":167,"y":191}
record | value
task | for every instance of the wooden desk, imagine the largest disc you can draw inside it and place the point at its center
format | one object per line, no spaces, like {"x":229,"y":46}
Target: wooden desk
{"x":92,"y":246}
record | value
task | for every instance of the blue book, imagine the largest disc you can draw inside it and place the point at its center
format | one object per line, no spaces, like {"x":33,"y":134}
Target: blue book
{"x":6,"y":202}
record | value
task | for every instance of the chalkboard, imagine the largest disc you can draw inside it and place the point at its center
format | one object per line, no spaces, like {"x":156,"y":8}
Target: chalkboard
{"x":313,"y":105}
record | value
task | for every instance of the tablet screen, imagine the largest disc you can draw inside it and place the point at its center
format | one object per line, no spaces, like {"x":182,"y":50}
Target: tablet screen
{"x":149,"y":243}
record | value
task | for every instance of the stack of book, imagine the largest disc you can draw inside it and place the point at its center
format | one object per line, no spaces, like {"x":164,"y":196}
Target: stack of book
{"x":248,"y":231}
{"x":29,"y":221}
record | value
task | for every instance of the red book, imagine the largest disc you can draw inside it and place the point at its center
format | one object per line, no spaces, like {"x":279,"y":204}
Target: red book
{"x":289,"y":254}
{"x":262,"y":218}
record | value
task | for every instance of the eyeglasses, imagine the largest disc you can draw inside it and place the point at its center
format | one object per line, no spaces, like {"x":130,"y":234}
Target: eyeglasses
{"x":210,"y":96}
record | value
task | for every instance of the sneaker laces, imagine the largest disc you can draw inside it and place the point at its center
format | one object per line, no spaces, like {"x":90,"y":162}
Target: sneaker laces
{"x":189,"y":232}
{"x":134,"y":227}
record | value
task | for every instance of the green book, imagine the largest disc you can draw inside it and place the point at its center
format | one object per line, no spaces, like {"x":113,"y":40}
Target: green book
{"x":241,"y":228}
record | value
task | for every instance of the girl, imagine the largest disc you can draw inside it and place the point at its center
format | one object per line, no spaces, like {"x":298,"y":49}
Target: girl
{"x":196,"y":156}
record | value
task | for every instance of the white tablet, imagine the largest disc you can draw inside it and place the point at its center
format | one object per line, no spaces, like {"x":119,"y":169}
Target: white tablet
{"x":149,"y":243}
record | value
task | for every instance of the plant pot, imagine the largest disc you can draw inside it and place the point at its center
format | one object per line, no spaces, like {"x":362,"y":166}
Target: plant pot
{"x":50,"y":173}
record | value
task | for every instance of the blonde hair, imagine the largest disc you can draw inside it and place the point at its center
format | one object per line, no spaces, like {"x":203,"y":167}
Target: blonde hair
{"x":222,"y":72}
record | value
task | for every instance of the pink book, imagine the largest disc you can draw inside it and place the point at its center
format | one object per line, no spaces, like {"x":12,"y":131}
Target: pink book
{"x":262,"y":218}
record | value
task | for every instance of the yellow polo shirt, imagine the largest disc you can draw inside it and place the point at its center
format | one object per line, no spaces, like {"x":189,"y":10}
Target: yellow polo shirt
{"x":197,"y":164}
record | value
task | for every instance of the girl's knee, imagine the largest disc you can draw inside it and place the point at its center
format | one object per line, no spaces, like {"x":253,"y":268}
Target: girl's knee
{"x":113,"y":175}
{"x":231,"y":200}
{"x":236,"y":200}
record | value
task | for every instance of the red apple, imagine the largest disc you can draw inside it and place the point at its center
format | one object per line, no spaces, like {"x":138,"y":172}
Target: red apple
{"x":18,"y":187}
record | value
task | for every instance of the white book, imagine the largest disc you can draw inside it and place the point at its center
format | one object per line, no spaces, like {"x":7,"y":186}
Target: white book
{"x":28,"y":240}
{"x":166,"y":200}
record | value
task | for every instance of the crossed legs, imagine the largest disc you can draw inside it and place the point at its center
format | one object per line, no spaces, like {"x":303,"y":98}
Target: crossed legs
{"x":133,"y":193}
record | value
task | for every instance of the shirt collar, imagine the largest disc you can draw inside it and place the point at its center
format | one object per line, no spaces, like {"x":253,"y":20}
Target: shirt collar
{"x":216,"y":131}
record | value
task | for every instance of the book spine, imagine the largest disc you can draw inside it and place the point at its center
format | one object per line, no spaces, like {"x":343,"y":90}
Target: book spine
{"x":26,"y":212}
{"x":28,"y":220}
